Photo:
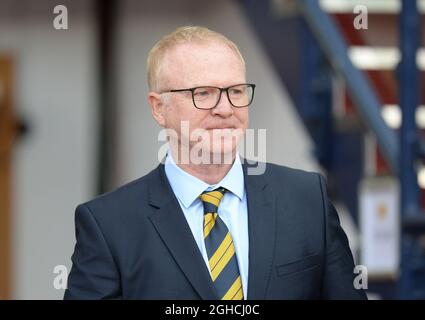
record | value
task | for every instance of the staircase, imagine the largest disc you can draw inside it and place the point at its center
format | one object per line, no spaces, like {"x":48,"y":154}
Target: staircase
{"x":348,"y":94}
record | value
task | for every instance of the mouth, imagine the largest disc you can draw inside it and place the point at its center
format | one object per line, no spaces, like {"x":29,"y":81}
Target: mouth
{"x":221,"y":128}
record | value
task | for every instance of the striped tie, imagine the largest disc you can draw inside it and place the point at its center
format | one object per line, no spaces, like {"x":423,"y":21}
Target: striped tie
{"x":220,"y":249}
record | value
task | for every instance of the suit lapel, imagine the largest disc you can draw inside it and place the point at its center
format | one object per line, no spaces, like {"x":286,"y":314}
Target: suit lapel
{"x":261,"y":226}
{"x":170,"y":223}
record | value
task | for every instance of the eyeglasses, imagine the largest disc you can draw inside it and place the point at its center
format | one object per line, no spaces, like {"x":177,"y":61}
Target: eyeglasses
{"x":208,"y":97}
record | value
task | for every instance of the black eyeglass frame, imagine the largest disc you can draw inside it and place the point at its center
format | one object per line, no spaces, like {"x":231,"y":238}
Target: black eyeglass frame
{"x":192,"y":90}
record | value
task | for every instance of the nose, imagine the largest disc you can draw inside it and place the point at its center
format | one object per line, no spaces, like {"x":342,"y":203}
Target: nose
{"x":223,"y":109}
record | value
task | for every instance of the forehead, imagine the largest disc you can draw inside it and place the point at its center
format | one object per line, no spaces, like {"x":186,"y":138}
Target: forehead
{"x":202,"y":63}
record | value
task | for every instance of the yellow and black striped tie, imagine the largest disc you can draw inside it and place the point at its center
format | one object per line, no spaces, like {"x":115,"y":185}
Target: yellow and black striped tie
{"x":220,"y":249}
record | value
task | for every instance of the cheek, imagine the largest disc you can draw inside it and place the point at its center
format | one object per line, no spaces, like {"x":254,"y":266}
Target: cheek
{"x":243,"y":117}
{"x":174,"y":113}
{"x":195,"y":117}
{"x":170,"y":117}
{"x":183,"y":118}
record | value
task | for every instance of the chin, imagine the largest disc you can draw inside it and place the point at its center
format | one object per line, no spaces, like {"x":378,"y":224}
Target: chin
{"x":216,"y":149}
{"x":223,"y":149}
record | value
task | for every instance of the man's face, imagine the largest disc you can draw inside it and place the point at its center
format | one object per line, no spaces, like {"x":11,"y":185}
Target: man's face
{"x":190,"y":65}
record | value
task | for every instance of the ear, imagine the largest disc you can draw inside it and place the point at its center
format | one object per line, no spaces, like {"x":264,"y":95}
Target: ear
{"x":157,"y":107}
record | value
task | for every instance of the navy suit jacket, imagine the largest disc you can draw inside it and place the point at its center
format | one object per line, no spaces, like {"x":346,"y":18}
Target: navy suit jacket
{"x":135,"y":243}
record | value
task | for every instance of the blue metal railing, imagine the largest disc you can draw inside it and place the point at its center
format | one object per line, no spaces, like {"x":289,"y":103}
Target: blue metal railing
{"x":412,"y":277}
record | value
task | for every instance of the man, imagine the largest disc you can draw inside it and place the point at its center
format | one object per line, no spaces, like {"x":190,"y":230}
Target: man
{"x":206,"y":228}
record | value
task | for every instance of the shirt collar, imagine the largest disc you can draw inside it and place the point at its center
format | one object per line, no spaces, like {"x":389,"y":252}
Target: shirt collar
{"x":187,"y":188}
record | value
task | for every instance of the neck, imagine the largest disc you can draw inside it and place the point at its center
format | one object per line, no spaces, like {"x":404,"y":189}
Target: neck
{"x":210,"y":173}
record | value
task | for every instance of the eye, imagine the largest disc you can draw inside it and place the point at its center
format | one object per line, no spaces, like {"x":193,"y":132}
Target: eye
{"x":236,"y":91}
{"x":201,"y":93}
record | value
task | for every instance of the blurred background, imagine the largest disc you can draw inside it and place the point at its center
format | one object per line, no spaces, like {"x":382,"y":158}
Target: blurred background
{"x":340,"y":90}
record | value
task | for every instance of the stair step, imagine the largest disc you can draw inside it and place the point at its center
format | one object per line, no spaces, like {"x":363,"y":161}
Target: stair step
{"x":373,"y":6}
{"x":378,"y":25}
{"x":380,"y":58}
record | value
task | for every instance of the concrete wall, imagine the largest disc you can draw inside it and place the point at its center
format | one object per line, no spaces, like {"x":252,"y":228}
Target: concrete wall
{"x":52,"y":166}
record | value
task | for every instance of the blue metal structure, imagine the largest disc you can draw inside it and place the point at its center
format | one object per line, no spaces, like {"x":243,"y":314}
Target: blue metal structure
{"x":315,"y":95}
{"x":306,"y":73}
{"x":312,"y":44}
{"x":332,"y":147}
{"x":412,"y":278}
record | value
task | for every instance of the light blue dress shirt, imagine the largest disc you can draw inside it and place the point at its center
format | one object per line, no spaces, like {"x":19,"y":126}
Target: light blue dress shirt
{"x":232,"y":210}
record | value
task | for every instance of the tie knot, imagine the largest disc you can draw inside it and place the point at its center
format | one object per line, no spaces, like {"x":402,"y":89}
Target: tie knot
{"x":211,"y":199}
